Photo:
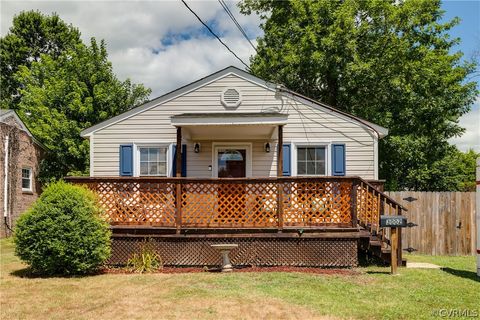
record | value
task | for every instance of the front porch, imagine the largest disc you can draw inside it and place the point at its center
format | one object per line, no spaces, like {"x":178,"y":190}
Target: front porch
{"x":317,"y":220}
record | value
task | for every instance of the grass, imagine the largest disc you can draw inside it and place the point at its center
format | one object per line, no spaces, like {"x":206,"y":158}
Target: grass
{"x":372,"y":294}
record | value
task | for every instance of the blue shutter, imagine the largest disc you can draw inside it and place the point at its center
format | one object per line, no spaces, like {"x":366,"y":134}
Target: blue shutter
{"x":126,"y":160}
{"x":338,"y":159}
{"x":184,"y":160}
{"x":287,"y":166}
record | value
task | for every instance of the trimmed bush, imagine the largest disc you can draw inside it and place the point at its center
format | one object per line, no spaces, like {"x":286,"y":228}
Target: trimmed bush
{"x":63,"y":233}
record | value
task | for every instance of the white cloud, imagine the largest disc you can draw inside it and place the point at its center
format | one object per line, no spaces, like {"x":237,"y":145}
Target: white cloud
{"x":134,"y":32}
{"x":471,"y":122}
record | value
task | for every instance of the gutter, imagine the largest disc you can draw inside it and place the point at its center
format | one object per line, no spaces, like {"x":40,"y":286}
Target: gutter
{"x":5,"y":187}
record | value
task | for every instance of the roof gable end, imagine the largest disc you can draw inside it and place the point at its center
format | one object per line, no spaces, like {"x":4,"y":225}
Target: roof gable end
{"x":219,"y":75}
{"x":7,"y":113}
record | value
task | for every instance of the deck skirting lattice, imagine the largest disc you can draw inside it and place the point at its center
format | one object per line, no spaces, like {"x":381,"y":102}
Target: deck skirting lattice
{"x":298,"y":252}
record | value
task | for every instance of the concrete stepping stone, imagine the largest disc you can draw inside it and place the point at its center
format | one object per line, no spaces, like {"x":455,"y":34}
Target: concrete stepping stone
{"x":422,"y":265}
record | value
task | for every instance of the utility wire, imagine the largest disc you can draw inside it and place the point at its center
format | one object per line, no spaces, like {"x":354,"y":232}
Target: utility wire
{"x":239,"y":27}
{"x":293,"y":94}
{"x":301,"y":114}
{"x":215,"y":35}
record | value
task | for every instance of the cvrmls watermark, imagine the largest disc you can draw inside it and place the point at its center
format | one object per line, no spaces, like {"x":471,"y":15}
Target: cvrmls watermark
{"x":456,"y":313}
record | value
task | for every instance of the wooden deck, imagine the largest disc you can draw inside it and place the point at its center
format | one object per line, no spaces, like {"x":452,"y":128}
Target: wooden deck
{"x":240,"y":203}
{"x":318,"y":210}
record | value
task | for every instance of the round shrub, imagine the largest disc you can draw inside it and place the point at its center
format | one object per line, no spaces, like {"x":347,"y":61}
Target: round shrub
{"x":63,"y":232}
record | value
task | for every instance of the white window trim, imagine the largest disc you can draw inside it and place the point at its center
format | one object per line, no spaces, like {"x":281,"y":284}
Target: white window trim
{"x":92,"y":156}
{"x":136,"y":157}
{"x":295,"y":145}
{"x":30,"y":176}
{"x":238,"y":145}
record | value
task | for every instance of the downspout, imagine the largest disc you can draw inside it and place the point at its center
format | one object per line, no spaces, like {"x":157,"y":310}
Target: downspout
{"x":5,"y":187}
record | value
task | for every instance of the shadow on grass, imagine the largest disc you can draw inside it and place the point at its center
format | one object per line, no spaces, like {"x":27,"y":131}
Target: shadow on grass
{"x":377,"y":272}
{"x":462,"y":274}
{"x":30,"y":274}
{"x":366,"y":259}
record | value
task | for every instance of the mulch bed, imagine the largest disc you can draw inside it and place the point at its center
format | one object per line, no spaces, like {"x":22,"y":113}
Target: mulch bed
{"x":170,"y":270}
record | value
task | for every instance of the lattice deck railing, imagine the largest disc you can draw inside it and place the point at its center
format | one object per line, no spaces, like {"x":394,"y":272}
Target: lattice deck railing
{"x":241,"y":203}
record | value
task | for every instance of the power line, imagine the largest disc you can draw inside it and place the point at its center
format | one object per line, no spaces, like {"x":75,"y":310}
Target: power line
{"x":215,"y":35}
{"x":301,"y":114}
{"x":239,"y":27}
{"x":293,"y":94}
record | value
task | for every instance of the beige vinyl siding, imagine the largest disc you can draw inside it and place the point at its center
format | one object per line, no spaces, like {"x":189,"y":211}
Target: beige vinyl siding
{"x":263,"y":164}
{"x":305,"y":124}
{"x":197,"y":163}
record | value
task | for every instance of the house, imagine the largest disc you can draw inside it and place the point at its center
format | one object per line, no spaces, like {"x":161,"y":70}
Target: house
{"x":20,"y":156}
{"x":234,"y":110}
{"x":254,"y":156}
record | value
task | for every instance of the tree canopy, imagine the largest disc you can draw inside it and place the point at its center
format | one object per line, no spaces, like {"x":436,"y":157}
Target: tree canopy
{"x":63,"y":92}
{"x":31,"y":35}
{"x":391,"y":62}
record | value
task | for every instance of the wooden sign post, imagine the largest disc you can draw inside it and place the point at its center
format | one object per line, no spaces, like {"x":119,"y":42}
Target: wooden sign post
{"x":394,"y":223}
{"x":393,"y":253}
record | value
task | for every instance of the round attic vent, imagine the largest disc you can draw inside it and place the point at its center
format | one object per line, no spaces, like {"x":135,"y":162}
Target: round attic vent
{"x":231,"y":98}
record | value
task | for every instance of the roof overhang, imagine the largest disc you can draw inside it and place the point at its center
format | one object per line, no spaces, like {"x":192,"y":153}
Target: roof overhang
{"x":231,"y":126}
{"x":229,"y":119}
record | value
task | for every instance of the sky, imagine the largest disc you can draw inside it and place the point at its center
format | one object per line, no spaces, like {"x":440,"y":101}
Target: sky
{"x":163,"y":46}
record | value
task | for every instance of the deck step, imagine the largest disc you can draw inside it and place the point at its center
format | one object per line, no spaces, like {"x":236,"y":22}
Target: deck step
{"x":380,"y":249}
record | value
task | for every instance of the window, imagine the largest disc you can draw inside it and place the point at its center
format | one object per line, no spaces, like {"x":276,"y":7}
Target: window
{"x":311,"y":161}
{"x":26,"y":179}
{"x":153,"y":161}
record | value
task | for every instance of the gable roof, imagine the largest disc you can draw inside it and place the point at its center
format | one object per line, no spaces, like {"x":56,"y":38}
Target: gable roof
{"x":7,"y":113}
{"x":381,"y":131}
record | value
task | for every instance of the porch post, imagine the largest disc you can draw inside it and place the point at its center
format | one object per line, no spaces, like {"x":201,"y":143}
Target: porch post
{"x":280,"y":152}
{"x":353,"y":203}
{"x":178,"y":152}
{"x":178,"y":173}
{"x":280,"y":174}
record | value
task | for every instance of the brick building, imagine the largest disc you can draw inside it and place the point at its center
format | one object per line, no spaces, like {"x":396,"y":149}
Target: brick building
{"x":20,"y":155}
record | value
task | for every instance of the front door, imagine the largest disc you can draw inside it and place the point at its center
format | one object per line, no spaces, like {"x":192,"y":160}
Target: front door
{"x":231,"y":162}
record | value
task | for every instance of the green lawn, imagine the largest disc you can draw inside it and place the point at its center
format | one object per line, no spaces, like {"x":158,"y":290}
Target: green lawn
{"x":373,"y":293}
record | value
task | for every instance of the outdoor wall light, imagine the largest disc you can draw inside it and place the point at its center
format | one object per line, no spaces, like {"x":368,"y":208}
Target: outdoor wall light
{"x":196,"y":147}
{"x":267,"y":147}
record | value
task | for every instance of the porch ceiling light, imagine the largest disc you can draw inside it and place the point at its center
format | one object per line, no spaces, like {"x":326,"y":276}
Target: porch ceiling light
{"x":267,"y":147}
{"x":196,"y":147}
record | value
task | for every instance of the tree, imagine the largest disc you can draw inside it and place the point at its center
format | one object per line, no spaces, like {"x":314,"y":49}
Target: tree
{"x":31,"y":35}
{"x":454,"y":172}
{"x":62,"y":96}
{"x":386,"y":61}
